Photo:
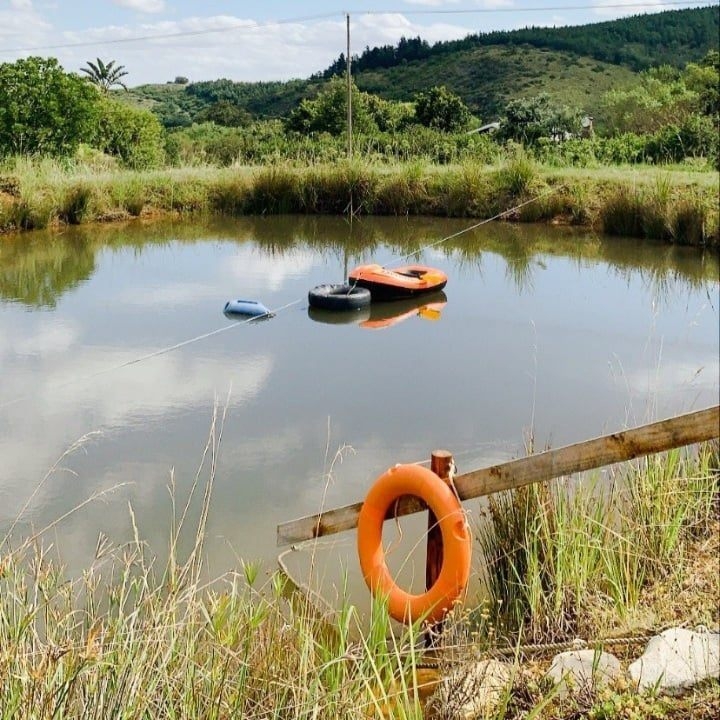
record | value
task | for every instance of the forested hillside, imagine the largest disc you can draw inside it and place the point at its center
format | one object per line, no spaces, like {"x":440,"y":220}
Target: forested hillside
{"x":574,"y":64}
{"x":674,"y":37}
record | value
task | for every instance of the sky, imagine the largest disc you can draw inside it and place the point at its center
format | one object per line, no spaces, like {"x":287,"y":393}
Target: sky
{"x":159,"y":40}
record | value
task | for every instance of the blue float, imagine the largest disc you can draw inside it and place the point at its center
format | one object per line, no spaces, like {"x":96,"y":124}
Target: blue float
{"x":246,"y":308}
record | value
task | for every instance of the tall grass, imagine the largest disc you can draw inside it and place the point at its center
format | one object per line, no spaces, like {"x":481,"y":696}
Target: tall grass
{"x":129,"y":638}
{"x":44,"y":193}
{"x":661,"y":213}
{"x":553,"y":551}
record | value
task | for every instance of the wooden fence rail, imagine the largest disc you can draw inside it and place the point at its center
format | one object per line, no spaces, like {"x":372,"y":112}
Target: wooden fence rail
{"x":656,"y":437}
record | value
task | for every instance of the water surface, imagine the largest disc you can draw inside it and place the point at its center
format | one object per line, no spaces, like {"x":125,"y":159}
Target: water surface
{"x":542,"y":332}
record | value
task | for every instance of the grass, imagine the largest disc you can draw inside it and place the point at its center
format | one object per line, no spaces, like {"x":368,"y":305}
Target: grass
{"x":129,"y":638}
{"x":576,"y":558}
{"x":674,"y":206}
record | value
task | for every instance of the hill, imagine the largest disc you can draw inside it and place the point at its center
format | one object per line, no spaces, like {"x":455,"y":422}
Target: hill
{"x":486,"y":78}
{"x":573,"y":64}
{"x":673,"y":37}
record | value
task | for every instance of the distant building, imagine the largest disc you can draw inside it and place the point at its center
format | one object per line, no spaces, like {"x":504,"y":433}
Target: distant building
{"x":489,"y":128}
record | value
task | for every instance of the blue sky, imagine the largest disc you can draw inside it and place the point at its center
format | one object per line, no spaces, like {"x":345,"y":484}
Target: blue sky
{"x":267,"y":40}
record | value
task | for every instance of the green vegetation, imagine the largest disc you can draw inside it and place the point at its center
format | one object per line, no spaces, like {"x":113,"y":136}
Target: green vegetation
{"x":574,"y":559}
{"x":662,"y":116}
{"x":105,"y":75}
{"x":672,"y":205}
{"x":574,"y":65}
{"x":674,"y":37}
{"x":129,"y":637}
{"x":43,"y":110}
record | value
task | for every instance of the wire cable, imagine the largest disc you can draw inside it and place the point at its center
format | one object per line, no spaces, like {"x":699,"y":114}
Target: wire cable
{"x":157,"y":353}
{"x":326,"y":16}
{"x":225,"y":328}
{"x":181,"y":33}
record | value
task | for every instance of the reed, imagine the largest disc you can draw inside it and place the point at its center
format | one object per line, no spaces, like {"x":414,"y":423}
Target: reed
{"x":132,"y":637}
{"x":669,"y":206}
{"x":555,"y":554}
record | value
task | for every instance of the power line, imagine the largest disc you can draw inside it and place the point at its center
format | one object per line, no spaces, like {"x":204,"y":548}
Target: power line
{"x":186,"y":33}
{"x":515,"y":9}
{"x":325,"y":16}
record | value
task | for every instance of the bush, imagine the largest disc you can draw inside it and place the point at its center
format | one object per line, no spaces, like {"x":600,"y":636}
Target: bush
{"x":135,"y":136}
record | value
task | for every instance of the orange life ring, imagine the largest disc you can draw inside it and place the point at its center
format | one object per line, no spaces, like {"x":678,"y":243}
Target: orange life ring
{"x":457,"y":543}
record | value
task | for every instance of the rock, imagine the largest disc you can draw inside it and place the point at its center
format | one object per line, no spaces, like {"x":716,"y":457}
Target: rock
{"x":471,"y":691}
{"x":583,"y":669}
{"x":677,"y":659}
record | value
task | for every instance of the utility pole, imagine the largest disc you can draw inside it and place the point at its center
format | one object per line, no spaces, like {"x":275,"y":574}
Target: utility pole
{"x":349,"y":91}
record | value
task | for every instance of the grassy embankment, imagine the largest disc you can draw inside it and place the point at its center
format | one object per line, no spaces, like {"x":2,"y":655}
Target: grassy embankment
{"x":131,"y":639}
{"x":668,"y":204}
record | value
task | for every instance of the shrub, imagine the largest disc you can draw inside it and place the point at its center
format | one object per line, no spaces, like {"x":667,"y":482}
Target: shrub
{"x":135,"y":136}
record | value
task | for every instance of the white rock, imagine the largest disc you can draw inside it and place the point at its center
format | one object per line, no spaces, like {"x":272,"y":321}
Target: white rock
{"x":578,"y":669}
{"x":471,"y":691}
{"x":677,"y":659}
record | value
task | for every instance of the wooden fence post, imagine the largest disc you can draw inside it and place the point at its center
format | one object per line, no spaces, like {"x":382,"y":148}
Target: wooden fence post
{"x":441,"y":463}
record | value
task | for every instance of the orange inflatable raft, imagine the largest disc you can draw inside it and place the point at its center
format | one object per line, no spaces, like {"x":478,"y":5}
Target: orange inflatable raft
{"x":402,"y":282}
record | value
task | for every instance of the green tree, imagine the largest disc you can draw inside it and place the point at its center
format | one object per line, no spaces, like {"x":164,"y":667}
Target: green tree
{"x":653,"y":103}
{"x":105,"y":75}
{"x":225,"y":113}
{"x":529,"y":119}
{"x":704,"y":79}
{"x":328,"y":111}
{"x":135,"y":136}
{"x":441,"y":109}
{"x":43,"y":109}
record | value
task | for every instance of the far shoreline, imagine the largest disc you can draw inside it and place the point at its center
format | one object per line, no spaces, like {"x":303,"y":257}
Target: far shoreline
{"x":671,"y":204}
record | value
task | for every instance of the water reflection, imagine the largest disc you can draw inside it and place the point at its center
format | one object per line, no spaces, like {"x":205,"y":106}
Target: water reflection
{"x":38,"y":268}
{"x":379,"y":315}
{"x":552,"y":327}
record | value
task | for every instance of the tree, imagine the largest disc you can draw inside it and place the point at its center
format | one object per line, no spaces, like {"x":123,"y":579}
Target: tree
{"x":704,"y":79}
{"x":135,"y":136}
{"x":225,"y":113}
{"x":328,"y":111}
{"x":441,"y":109}
{"x":529,"y":119}
{"x":105,"y":75}
{"x":648,"y":106}
{"x":43,"y":109}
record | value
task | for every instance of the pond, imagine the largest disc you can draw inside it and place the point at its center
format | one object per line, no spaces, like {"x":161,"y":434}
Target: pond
{"x":111,"y":367}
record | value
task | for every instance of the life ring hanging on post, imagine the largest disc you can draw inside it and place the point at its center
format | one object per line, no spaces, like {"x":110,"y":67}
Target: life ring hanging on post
{"x":452,"y":580}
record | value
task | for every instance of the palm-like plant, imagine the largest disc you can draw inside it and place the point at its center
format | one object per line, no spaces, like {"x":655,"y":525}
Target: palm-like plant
{"x":105,"y":75}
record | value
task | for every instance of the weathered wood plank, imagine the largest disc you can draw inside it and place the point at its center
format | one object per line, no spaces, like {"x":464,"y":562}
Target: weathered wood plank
{"x":656,"y":437}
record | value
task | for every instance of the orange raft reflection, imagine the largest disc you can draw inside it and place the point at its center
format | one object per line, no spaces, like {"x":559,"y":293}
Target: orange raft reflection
{"x":379,"y":315}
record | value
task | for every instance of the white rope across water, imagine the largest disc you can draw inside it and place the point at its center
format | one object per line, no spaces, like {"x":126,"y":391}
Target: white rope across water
{"x":513,"y":209}
{"x":157,"y":353}
{"x":217,"y":331}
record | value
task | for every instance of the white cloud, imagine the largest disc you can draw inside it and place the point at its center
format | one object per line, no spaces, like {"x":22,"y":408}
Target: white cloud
{"x":168,"y":296}
{"x":50,"y":338}
{"x":208,"y":48}
{"x":146,"y":6}
{"x":121,"y":399}
{"x":21,"y":24}
{"x":431,"y":3}
{"x":610,"y":9}
{"x":271,"y":272}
